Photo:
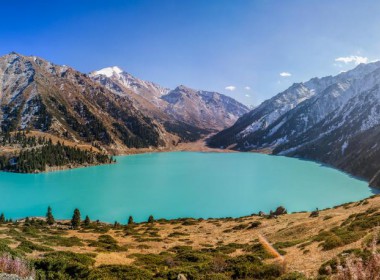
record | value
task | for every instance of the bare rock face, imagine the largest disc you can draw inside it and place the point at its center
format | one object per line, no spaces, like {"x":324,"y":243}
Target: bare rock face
{"x":181,"y":277}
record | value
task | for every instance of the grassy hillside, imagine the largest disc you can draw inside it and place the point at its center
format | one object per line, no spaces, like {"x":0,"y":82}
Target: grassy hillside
{"x":288,"y":246}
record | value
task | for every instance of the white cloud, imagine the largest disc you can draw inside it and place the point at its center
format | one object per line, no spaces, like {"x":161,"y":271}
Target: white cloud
{"x":285,"y":74}
{"x":352,"y":58}
{"x":247,"y":88}
{"x":247,"y":95}
{"x":230,"y":88}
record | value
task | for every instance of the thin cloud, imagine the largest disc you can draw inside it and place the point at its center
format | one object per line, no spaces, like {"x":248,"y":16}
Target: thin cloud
{"x":247,"y":88}
{"x":352,"y":59}
{"x":285,"y":74}
{"x":247,"y":95}
{"x":230,"y":88}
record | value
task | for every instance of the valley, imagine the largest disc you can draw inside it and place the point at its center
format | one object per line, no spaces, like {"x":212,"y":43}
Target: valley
{"x":54,"y":118}
{"x":190,"y":140}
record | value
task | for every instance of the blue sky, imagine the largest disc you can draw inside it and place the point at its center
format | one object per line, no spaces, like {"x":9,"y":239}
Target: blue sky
{"x":236,"y":47}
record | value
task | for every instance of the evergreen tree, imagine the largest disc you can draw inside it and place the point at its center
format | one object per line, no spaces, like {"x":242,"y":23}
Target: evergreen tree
{"x":2,"y":218}
{"x":130,"y":220}
{"x":27,"y":221}
{"x":87,"y":221}
{"x":150,"y":219}
{"x":75,"y":221}
{"x":49,"y":217}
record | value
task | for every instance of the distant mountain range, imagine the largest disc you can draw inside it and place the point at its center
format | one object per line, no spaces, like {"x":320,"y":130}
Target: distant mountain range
{"x":109,"y":107}
{"x":334,"y":120}
{"x":182,"y":111}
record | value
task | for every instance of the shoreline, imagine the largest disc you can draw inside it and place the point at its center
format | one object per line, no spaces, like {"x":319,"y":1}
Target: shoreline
{"x":293,"y":235}
{"x":179,"y":219}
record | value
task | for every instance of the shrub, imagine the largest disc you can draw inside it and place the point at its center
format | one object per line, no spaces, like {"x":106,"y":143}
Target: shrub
{"x":29,"y":247}
{"x":13,"y":265}
{"x":107,"y":243}
{"x":120,"y":272}
{"x":62,"y":241}
{"x":64,"y":265}
{"x":246,"y":268}
{"x":254,"y":224}
{"x":293,"y":276}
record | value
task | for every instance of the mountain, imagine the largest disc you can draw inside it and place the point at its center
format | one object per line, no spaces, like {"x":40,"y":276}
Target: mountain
{"x":334,"y":120}
{"x":146,"y":89}
{"x":204,"y":109}
{"x":39,"y":95}
{"x":183,"y":111}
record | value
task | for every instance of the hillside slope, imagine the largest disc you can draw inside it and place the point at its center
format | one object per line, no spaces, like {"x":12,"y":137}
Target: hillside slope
{"x":334,"y":120}
{"x":306,"y":245}
{"x":39,"y":95}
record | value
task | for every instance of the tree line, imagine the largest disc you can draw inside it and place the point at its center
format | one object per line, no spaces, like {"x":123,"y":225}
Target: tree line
{"x":38,"y":153}
{"x":75,"y":222}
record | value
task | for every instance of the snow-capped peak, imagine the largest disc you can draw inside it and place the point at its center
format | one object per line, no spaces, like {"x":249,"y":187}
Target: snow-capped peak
{"x":108,"y":71}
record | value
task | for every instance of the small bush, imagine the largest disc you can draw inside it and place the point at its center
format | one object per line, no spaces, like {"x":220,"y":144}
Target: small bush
{"x":119,"y":272}
{"x":254,"y":224}
{"x":17,"y":266}
{"x":107,"y":243}
{"x":29,"y":247}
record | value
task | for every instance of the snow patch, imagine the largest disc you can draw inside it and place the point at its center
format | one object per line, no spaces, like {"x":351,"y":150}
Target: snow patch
{"x":344,"y":146}
{"x":109,"y":71}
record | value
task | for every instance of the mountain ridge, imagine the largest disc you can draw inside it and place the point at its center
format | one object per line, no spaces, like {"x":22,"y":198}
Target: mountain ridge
{"x":195,"y":112}
{"x":37,"y":94}
{"x":92,"y":108}
{"x":323,"y":126}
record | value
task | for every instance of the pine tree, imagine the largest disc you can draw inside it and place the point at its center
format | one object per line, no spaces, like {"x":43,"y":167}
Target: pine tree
{"x":87,"y":221}
{"x":49,"y":217}
{"x":150,"y":219}
{"x":2,"y":218}
{"x":130,"y":220}
{"x":75,"y":221}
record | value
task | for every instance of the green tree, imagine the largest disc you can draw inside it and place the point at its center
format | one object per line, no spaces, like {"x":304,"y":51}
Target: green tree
{"x":150,"y":219}
{"x":75,"y":221}
{"x":87,"y":221}
{"x":130,"y":220}
{"x":2,"y":218}
{"x":49,"y":217}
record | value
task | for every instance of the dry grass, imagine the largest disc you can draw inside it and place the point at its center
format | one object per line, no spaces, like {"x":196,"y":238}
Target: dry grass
{"x":296,"y":231}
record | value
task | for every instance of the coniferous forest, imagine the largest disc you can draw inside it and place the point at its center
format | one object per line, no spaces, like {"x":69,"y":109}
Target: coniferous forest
{"x":36,"y":154}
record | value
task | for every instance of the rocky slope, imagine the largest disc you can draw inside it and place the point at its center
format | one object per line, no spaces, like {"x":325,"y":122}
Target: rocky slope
{"x":204,"y":109}
{"x":39,"y":95}
{"x":183,"y":111}
{"x":333,"y":120}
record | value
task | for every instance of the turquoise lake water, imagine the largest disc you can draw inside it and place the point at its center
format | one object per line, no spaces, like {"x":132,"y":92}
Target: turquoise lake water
{"x":180,"y":184}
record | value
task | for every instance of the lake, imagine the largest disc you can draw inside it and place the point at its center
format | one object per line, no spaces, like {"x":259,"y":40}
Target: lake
{"x":180,"y":184}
